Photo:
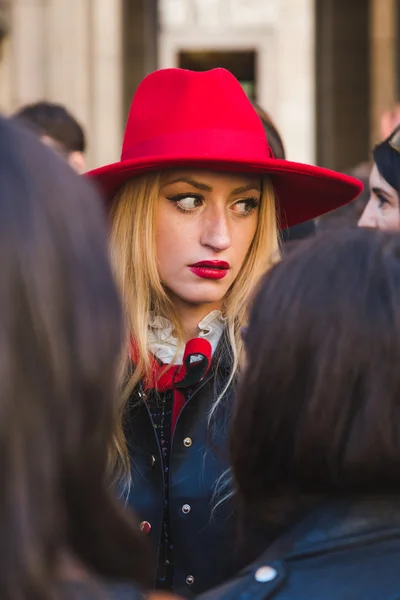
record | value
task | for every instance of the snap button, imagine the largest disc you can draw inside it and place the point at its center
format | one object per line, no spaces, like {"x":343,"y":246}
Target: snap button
{"x":187,"y":442}
{"x":190,"y":580}
{"x":145,"y":527}
{"x":265,"y":574}
{"x":152,"y":460}
{"x":186,"y":508}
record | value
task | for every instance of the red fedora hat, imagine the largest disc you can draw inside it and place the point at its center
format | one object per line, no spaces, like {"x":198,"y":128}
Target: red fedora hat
{"x":181,"y":118}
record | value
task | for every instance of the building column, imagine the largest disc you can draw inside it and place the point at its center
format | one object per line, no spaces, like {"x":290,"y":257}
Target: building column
{"x":67,"y":68}
{"x":84,"y":56}
{"x":28,"y":49}
{"x":342,"y":77}
{"x":106,"y":97}
{"x":5,"y":58}
{"x":383,"y":61}
{"x":295,"y":71}
{"x":6,"y":88}
{"x":69,"y":52}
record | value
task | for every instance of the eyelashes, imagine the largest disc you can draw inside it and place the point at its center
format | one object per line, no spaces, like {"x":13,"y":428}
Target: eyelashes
{"x":187,"y":203}
{"x":383,"y":200}
{"x":252,"y":202}
{"x":249,"y":205}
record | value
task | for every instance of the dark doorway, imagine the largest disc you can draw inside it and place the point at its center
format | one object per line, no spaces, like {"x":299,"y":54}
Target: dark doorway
{"x":241,"y":64}
{"x":343,"y":82}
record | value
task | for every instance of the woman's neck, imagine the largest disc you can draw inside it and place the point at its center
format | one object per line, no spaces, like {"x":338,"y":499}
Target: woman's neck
{"x":191,"y":314}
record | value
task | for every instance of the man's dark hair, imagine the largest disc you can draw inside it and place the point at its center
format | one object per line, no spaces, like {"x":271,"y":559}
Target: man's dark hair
{"x":318,"y":408}
{"x":350,"y":214}
{"x":56,"y":122}
{"x":274,"y":138}
{"x":60,"y":337}
{"x":275,"y":142}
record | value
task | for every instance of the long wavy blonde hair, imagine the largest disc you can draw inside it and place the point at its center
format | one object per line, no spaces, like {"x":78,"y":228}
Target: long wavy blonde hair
{"x":133,"y":255}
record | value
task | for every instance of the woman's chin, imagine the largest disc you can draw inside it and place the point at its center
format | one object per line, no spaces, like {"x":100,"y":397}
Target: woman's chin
{"x":199,"y":294}
{"x":211,"y":300}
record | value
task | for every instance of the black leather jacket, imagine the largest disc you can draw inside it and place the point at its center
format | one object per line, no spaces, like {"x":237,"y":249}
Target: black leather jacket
{"x":203,"y":538}
{"x":342,"y":550}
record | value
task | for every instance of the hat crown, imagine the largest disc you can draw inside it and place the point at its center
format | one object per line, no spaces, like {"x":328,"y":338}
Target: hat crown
{"x":204,"y":120}
{"x":178,"y":102}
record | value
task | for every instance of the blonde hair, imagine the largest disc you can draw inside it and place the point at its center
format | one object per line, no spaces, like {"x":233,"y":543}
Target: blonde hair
{"x":133,"y":255}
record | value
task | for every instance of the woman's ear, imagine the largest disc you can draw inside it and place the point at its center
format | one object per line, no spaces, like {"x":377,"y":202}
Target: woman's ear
{"x":77,"y":161}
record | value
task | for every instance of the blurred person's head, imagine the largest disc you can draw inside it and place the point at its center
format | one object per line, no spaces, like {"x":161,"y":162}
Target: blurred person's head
{"x":303,"y":230}
{"x":383,"y":208}
{"x":60,"y":339}
{"x":350,"y":214}
{"x":317,"y":408}
{"x":273,"y":136}
{"x":57,"y":128}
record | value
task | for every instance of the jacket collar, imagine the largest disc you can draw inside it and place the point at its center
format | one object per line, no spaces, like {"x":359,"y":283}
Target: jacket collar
{"x":166,"y":348}
{"x":338,"y":523}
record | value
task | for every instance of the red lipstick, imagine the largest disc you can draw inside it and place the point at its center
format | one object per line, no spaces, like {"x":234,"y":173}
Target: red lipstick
{"x":210,"y":269}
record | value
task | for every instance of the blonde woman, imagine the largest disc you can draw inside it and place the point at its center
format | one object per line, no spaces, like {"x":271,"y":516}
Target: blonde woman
{"x":195,"y":203}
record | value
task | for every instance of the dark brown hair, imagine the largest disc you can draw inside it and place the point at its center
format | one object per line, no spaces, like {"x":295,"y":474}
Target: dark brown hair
{"x":303,"y":230}
{"x":55,"y":121}
{"x":274,"y":138}
{"x":387,"y":160}
{"x":60,"y":339}
{"x":348,"y":215}
{"x":318,"y":408}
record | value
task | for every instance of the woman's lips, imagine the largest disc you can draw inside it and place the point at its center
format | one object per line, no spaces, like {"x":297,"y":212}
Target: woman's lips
{"x":210,"y":269}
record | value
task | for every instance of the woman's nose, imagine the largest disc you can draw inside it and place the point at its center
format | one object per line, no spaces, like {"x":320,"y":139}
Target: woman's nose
{"x":368,"y":218}
{"x":216,"y":231}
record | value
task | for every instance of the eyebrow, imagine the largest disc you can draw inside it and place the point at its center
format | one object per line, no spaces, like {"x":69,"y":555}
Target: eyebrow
{"x":206,"y":188}
{"x":378,"y":190}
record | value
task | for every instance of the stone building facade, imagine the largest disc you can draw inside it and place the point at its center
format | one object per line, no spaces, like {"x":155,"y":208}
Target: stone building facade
{"x":324,"y":69}
{"x":68,"y":51}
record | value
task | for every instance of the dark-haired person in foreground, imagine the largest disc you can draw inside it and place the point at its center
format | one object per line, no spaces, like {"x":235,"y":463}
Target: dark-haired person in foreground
{"x":315,"y":439}
{"x":62,"y":534}
{"x":57,"y":128}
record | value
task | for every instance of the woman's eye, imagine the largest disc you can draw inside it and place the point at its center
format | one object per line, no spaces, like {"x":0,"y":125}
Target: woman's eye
{"x":382,"y":201}
{"x":246,"y":207}
{"x":187,"y":202}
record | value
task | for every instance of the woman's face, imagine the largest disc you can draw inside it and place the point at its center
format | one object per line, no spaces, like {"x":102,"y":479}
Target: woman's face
{"x":205,"y":224}
{"x":383,"y":208}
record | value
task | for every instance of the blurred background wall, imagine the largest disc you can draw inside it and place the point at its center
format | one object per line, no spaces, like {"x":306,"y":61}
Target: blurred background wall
{"x":325,"y":70}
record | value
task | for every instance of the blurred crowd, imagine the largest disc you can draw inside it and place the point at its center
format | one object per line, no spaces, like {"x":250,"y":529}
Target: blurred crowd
{"x":200,"y":391}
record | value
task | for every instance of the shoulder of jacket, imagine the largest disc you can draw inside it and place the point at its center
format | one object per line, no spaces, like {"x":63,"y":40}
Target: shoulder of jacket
{"x":256,"y":582}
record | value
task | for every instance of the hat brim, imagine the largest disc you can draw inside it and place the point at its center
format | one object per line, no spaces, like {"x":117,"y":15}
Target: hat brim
{"x":303,"y":192}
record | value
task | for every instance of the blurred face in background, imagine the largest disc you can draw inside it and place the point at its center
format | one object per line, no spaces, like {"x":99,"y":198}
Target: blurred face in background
{"x":76,"y":160}
{"x":383,"y":208}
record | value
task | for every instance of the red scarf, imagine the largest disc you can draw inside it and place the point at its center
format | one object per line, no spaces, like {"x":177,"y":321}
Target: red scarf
{"x":178,"y":377}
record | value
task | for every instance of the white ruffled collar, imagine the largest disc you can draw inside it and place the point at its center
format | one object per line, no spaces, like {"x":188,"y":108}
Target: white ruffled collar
{"x":164,"y":345}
